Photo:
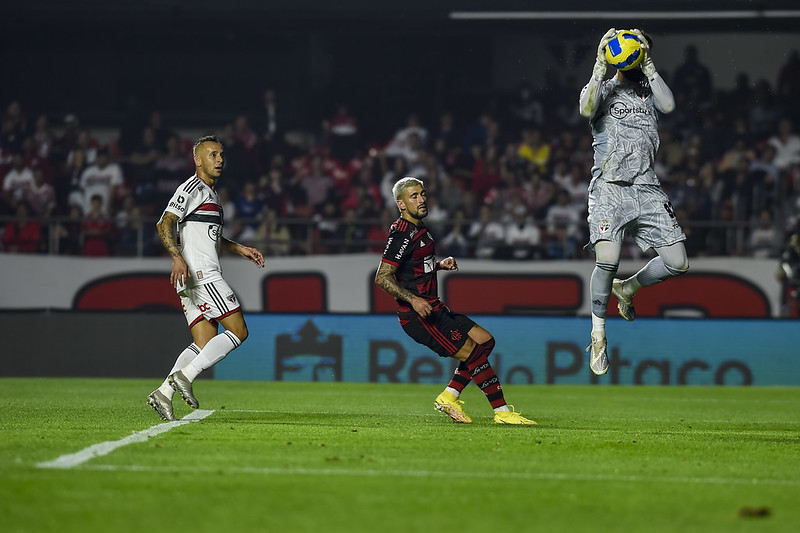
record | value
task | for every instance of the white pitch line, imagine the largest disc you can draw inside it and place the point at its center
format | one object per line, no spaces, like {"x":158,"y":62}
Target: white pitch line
{"x":546,"y":476}
{"x":104,"y":448}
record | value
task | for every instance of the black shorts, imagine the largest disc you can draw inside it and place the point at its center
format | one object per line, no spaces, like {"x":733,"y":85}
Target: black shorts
{"x":444,"y":331}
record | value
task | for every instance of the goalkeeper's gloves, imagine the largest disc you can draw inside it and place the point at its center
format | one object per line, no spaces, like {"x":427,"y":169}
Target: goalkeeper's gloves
{"x":647,"y":66}
{"x":600,"y":64}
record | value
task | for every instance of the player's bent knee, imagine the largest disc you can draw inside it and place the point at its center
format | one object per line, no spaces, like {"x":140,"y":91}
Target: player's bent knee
{"x":465,"y":351}
{"x":678,"y":270}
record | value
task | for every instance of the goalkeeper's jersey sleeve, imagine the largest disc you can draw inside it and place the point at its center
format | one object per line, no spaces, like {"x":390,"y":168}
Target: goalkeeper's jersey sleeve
{"x":625,"y":132}
{"x":199,"y":228}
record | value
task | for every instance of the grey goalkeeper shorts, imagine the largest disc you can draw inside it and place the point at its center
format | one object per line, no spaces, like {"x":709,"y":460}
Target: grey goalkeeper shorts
{"x":642,"y":211}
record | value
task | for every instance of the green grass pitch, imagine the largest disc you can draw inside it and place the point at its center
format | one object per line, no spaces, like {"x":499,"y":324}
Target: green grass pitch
{"x":322,"y":457}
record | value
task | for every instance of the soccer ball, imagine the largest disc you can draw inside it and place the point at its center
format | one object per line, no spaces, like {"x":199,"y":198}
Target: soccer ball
{"x":624,"y":50}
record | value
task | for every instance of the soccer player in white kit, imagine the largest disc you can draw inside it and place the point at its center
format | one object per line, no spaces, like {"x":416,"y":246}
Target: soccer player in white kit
{"x":197,"y":276}
{"x":625,"y":195}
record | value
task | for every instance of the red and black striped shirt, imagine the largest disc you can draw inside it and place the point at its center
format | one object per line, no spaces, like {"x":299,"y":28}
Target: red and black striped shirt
{"x":412,"y":250}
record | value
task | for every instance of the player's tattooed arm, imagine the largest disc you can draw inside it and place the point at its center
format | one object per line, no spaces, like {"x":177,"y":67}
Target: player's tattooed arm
{"x":166,"y":230}
{"x":386,"y":280}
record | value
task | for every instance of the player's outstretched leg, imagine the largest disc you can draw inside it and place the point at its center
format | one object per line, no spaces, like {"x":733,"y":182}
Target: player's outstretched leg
{"x":161,"y":405}
{"x":449,"y":402}
{"x":484,"y":377}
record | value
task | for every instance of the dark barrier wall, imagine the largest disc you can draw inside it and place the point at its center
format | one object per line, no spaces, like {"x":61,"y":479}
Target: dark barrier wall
{"x":91,"y":344}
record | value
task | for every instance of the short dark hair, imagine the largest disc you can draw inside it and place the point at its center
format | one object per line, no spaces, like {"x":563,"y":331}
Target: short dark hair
{"x":205,"y":139}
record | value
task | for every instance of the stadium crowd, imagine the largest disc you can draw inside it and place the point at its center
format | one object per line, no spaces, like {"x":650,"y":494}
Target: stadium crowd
{"x":507,"y":181}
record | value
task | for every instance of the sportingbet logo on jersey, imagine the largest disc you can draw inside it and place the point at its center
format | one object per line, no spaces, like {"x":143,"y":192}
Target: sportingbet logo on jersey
{"x":179,"y":204}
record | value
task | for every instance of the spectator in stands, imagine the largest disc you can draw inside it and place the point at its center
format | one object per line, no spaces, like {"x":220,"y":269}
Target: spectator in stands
{"x":525,"y":110}
{"x":96,"y":227}
{"x":43,"y":137}
{"x":67,"y":182}
{"x":317,"y":183}
{"x":102,"y":179}
{"x":33,"y":160}
{"x":140,"y":170}
{"x":789,"y":85}
{"x":68,"y":232}
{"x":344,"y":134}
{"x":249,"y":209}
{"x":486,"y":235}
{"x":692,"y":78}
{"x":24,"y":234}
{"x":402,"y":143}
{"x":40,"y":196}
{"x":68,"y":138}
{"x":85,"y":143}
{"x":353,"y":233}
{"x":270,"y":124}
{"x":162,"y":133}
{"x":786,"y":144}
{"x":327,"y":228}
{"x":534,"y":149}
{"x":564,"y":215}
{"x":392,"y":169}
{"x":15,"y":116}
{"x":486,"y":171}
{"x":274,"y":235}
{"x":455,"y":242}
{"x":764,"y":113}
{"x":170,"y":170}
{"x":522,"y":235}
{"x":538,"y":194}
{"x":763,"y":241}
{"x":16,"y":182}
{"x":129,"y":224}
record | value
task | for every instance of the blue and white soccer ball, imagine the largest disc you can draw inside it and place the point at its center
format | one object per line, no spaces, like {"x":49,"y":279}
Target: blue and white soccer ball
{"x":624,"y":50}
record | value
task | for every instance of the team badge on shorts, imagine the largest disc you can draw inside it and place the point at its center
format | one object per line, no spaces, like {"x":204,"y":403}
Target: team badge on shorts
{"x":231,"y":298}
{"x":455,"y":335}
{"x":604,"y":226}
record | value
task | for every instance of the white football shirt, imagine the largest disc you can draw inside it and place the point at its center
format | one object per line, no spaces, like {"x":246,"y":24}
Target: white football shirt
{"x":199,"y":228}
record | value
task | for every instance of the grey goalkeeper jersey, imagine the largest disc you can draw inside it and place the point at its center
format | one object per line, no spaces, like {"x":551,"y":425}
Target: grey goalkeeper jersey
{"x":625,"y":131}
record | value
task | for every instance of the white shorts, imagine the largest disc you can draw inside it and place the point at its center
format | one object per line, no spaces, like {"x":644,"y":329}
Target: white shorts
{"x":644,"y":211}
{"x":213,"y":301}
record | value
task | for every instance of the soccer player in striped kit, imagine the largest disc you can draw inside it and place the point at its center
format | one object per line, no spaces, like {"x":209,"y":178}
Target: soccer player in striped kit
{"x":407,"y":271}
{"x":625,"y":195}
{"x":197,"y":276}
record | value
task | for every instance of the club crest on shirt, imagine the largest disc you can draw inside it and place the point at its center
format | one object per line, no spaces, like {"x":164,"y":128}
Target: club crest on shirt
{"x":604,"y":226}
{"x":455,"y":335}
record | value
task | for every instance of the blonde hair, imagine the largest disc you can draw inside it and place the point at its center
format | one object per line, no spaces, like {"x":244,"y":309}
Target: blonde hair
{"x":403,"y":184}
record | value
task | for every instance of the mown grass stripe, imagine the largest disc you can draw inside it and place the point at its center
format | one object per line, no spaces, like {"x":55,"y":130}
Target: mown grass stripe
{"x":552,"y":476}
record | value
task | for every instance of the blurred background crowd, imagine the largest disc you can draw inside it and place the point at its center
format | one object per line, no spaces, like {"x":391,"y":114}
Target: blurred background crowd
{"x":506,"y":178}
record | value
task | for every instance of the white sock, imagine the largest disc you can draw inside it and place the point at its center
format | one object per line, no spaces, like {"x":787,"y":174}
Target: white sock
{"x":501,"y":408}
{"x":453,"y":391}
{"x":189,"y":353}
{"x":598,"y":326}
{"x":212,"y":353}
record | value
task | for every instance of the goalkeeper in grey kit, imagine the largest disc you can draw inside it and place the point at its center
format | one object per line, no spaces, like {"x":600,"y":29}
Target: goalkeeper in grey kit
{"x":625,"y":195}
